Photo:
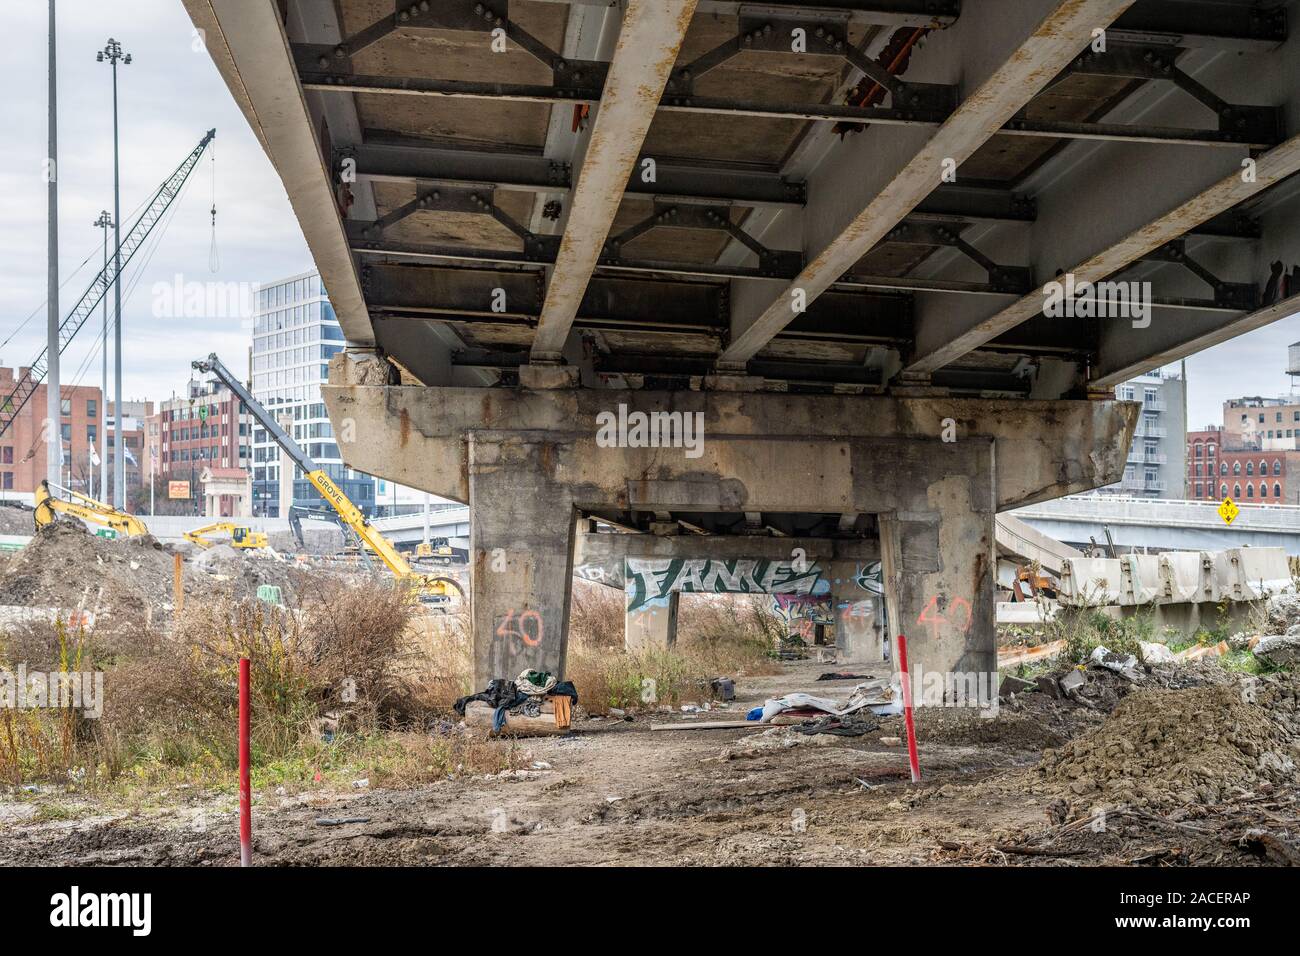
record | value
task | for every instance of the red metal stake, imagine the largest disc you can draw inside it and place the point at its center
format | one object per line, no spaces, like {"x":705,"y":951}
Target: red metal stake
{"x":245,"y":787}
{"x":907,"y":709}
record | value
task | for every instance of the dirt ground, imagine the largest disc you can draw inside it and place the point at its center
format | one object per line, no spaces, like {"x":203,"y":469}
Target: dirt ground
{"x":616,"y":792}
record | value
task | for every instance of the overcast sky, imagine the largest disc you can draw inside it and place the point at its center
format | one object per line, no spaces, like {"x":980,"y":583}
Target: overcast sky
{"x":169,"y":96}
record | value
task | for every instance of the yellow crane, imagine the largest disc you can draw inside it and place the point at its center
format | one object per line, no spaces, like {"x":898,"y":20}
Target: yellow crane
{"x":48,"y":509}
{"x":433,"y":590}
{"x":240,"y":536}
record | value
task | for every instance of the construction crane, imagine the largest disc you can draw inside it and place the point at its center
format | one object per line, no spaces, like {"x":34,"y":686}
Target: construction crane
{"x":12,"y":404}
{"x":48,"y":508}
{"x":432,"y":590}
{"x":240,"y":536}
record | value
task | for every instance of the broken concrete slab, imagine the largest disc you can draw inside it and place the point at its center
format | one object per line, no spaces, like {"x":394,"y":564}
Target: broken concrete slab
{"x":1278,"y":650}
{"x":1014,"y":685}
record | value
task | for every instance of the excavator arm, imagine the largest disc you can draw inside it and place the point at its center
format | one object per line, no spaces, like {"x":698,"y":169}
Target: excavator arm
{"x":48,"y":508}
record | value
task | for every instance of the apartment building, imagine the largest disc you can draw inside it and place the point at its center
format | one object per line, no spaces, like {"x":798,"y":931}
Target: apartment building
{"x":1156,"y":464}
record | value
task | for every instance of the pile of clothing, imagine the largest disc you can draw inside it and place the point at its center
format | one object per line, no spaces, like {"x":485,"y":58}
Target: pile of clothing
{"x":522,"y":696}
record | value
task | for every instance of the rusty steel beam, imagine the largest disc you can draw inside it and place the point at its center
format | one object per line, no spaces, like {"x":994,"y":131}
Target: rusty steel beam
{"x":648,"y":44}
{"x":1053,"y":43}
{"x":1270,"y":168}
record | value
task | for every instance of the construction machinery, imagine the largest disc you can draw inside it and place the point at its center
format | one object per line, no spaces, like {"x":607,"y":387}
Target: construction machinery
{"x":432,"y":590}
{"x":240,"y":536}
{"x":49,"y":508}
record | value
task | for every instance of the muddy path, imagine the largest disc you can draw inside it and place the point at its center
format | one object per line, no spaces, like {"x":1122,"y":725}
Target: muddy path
{"x":619,"y":793}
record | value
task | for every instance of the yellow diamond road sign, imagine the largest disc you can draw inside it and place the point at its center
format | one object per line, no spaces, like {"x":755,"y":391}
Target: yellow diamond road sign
{"x":1228,"y":511}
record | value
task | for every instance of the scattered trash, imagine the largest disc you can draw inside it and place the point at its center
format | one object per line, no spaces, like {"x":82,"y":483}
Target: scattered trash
{"x":340,"y":821}
{"x":850,"y":725}
{"x":541,"y":765}
{"x":836,"y":675}
{"x":891,"y":741}
{"x":1153,"y":653}
{"x":1202,"y":651}
{"x":723,"y":688}
{"x":361,"y":784}
{"x":1123,"y":664}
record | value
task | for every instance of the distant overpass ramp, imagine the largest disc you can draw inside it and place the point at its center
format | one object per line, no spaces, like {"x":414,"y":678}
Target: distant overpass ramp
{"x":1020,"y":542}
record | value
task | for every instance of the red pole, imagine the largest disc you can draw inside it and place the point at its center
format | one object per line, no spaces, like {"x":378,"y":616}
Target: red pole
{"x":245,"y":787}
{"x":907,"y":709}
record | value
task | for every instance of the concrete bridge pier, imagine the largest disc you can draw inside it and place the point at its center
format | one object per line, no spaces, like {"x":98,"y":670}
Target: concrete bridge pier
{"x":914,"y":481}
{"x":653,"y":627}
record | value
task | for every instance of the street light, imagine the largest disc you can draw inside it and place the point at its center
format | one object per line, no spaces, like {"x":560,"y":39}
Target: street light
{"x":103,"y":222}
{"x":113,"y":52}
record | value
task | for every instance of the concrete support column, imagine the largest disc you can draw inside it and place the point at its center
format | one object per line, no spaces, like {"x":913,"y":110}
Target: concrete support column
{"x":652,"y":626}
{"x":939,"y":577}
{"x":521,"y":546}
{"x":859,"y":625}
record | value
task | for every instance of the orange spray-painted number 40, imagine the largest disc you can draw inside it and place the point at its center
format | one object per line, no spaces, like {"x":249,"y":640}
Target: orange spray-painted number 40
{"x":931,"y":616}
{"x":507,"y":628}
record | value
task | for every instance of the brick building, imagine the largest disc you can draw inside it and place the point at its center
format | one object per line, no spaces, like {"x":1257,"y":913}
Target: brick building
{"x":207,"y":428}
{"x":23,"y":445}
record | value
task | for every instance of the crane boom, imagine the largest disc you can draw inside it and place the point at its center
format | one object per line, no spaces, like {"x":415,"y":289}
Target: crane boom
{"x":351,"y":515}
{"x":13,"y":403}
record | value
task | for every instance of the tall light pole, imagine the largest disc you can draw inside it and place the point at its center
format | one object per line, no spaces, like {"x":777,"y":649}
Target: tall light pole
{"x":113,"y":52}
{"x":103,"y":222}
{"x":53,"y":405}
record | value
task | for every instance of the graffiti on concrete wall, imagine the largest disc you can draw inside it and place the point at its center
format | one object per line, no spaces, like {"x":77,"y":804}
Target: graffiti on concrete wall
{"x":801,"y":613}
{"x":610,"y":574}
{"x":652,"y":580}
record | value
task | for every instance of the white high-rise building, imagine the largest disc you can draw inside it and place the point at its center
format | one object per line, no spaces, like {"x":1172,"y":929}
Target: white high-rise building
{"x":295,"y":333}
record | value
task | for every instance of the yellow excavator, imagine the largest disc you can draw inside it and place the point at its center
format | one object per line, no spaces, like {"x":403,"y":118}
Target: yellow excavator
{"x":49,"y":508}
{"x":434,"y":591}
{"x":240,"y":536}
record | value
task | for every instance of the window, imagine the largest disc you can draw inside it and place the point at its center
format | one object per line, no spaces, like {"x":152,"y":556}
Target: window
{"x":1277,"y":490}
{"x":91,"y":433}
{"x":1263,"y":467}
{"x":1278,"y":418}
{"x":1198,"y":469}
{"x":7,"y":480}
{"x":1277,"y":466}
{"x":1198,"y":489}
{"x":1250,"y":468}
{"x":1211,"y":451}
{"x":7,"y":455}
{"x":1236,"y":491}
{"x":1236,"y":468}
{"x":66,"y":431}
{"x":1263,"y":489}
{"x":1223,"y":491}
{"x":65,"y":406}
{"x":1250,"y":490}
{"x":1199,"y":449}
{"x":1261,"y":418}
{"x":92,"y":409}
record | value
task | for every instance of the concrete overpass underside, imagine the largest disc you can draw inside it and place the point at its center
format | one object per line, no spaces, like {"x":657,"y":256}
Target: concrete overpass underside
{"x":821,"y":231}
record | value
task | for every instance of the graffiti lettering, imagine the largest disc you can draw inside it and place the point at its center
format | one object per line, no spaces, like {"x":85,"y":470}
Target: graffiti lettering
{"x":655,"y":579}
{"x":507,"y":629}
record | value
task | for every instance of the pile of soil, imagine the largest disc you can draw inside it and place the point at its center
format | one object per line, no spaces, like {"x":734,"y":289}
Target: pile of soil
{"x":66,"y":566}
{"x":16,"y":520}
{"x":244,"y":571}
{"x":1197,"y":745}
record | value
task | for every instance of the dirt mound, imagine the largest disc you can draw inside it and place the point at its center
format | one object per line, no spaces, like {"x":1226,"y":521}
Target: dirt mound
{"x":16,"y":520}
{"x":66,"y":566}
{"x":1198,"y":745}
